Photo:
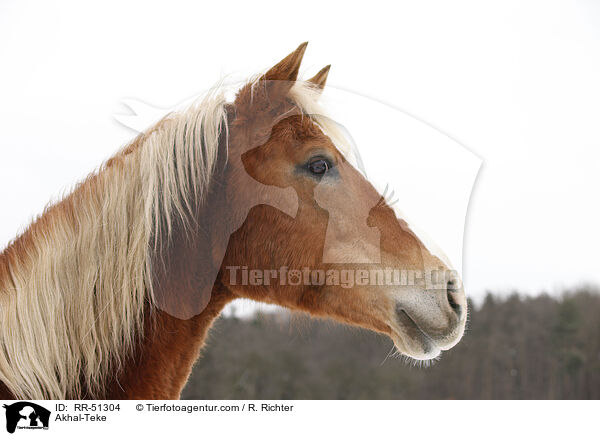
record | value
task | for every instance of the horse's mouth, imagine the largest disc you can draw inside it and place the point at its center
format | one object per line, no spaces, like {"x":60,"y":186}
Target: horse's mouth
{"x":410,"y":339}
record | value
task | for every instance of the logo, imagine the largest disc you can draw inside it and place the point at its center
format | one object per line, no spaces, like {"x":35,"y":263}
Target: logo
{"x":26,"y":415}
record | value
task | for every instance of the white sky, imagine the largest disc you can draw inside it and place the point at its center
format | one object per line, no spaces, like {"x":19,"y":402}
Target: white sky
{"x":517,"y":83}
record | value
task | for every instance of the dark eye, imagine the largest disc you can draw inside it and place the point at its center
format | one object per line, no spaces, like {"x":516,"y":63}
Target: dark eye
{"x":319,"y":166}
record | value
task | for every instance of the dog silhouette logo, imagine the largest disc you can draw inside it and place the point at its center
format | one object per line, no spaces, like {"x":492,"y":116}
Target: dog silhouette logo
{"x":26,"y":415}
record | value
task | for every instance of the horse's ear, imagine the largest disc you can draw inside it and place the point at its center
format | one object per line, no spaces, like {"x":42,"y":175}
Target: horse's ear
{"x":272,"y":87}
{"x":288,"y":67}
{"x":320,"y":79}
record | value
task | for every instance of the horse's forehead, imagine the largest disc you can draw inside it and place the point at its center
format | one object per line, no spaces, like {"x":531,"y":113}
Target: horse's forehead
{"x":293,"y":135}
{"x":300,"y":126}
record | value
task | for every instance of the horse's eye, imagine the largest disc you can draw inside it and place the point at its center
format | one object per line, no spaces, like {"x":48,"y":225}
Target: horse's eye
{"x":319,"y":166}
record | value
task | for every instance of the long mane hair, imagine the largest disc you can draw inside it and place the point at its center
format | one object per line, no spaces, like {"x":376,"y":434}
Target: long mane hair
{"x":74,"y":286}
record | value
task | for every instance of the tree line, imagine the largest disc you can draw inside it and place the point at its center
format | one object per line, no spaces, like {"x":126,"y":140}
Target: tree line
{"x":516,"y":347}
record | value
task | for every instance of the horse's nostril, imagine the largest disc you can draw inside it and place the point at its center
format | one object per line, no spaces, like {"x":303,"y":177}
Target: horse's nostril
{"x":451,"y":293}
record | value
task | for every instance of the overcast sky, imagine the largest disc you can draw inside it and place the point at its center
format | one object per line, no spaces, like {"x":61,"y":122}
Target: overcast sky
{"x":517,"y":83}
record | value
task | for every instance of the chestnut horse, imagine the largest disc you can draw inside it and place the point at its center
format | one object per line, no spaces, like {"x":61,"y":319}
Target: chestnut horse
{"x":111,"y":291}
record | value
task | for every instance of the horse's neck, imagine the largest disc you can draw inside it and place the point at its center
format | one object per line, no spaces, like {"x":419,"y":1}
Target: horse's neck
{"x":165,"y":356}
{"x":175,"y":329}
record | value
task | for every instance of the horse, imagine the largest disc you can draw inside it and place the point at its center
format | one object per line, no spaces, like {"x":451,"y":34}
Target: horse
{"x":110,"y":293}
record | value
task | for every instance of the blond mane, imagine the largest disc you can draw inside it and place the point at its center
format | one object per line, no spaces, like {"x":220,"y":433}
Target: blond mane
{"x":74,"y":285}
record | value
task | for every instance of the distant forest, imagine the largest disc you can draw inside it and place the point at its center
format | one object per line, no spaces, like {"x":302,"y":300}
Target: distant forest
{"x":515,"y":348}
